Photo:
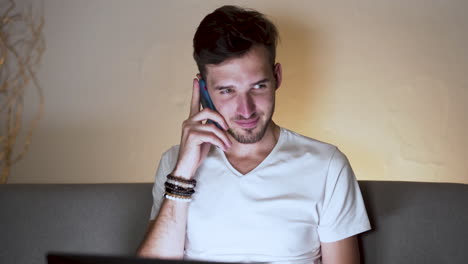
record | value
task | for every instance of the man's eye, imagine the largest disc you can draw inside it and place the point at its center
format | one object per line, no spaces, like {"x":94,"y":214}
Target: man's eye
{"x":259,"y":86}
{"x":226,"y":91}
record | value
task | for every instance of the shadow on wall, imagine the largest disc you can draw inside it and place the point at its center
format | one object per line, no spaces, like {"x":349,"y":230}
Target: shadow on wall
{"x":303,"y":55}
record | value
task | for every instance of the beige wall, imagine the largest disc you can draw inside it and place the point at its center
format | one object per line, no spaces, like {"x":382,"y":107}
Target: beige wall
{"x":384,"y":80}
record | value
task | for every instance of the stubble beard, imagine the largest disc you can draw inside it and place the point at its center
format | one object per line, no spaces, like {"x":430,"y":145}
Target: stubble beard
{"x":249,"y":137}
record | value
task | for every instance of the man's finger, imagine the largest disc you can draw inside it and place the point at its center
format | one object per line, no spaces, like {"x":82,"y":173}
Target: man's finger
{"x":202,"y":136}
{"x":206,"y":114}
{"x":218,"y":133}
{"x":195,"y":104}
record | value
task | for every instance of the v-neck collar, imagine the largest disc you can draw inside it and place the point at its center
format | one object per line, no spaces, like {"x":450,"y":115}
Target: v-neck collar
{"x":235,"y":171}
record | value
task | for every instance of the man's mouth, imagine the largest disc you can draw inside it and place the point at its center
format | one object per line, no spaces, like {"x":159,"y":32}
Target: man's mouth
{"x":248,"y":123}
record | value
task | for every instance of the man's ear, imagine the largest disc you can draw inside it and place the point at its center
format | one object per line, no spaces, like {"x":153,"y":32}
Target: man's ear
{"x":278,"y":72}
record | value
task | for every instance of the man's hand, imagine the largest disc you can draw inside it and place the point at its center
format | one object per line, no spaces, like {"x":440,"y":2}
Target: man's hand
{"x":197,"y":137}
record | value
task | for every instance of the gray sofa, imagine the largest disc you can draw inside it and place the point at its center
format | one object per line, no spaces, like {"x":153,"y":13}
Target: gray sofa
{"x":412,"y":222}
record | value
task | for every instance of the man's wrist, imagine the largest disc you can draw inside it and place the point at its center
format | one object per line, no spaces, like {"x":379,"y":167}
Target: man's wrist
{"x":185,"y":174}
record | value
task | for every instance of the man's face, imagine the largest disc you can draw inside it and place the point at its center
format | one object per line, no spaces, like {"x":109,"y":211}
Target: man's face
{"x":243,"y":92}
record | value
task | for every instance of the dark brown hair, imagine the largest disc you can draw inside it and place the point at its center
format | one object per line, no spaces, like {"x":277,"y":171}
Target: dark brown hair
{"x":229,"y":32}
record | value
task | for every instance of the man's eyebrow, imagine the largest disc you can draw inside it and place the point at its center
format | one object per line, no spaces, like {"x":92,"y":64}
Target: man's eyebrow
{"x":222,"y":87}
{"x":261,"y":81}
{"x":253,"y":84}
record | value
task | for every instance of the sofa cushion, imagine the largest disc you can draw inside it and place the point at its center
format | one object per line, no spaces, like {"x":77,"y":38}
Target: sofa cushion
{"x":412,"y":222}
{"x":81,"y":218}
{"x":415,"y":222}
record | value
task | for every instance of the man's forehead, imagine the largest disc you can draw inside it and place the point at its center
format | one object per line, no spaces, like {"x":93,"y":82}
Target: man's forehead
{"x":229,"y":77}
{"x":253,"y":65}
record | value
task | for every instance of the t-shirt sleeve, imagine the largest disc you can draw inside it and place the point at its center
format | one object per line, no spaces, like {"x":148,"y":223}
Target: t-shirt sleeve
{"x":343,"y":212}
{"x":166,"y":165}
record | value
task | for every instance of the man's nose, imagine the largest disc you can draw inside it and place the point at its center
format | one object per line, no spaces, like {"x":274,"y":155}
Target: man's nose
{"x":245,"y":105}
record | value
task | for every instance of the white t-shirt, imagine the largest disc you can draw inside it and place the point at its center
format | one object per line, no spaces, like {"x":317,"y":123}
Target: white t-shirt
{"x":303,"y":193}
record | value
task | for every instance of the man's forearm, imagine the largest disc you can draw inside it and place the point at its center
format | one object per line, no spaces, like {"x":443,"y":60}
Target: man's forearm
{"x":165,"y":237}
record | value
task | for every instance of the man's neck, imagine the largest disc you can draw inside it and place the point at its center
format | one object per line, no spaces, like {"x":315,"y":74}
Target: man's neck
{"x":261,"y":148}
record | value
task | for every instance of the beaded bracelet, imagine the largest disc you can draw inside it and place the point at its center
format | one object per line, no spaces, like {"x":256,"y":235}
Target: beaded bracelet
{"x":176,"y":188}
{"x":185,"y":185}
{"x":168,"y":196}
{"x":182,"y":180}
{"x":178,"y":192}
{"x":179,"y":189}
{"x":178,"y":195}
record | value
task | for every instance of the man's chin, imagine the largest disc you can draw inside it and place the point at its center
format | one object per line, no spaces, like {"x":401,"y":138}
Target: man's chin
{"x":247,"y":136}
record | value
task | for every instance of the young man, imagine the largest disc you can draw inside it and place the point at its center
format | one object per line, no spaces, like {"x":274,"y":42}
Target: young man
{"x":251,"y":191}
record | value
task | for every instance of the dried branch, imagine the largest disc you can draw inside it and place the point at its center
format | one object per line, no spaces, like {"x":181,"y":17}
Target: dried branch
{"x":21,"y":52}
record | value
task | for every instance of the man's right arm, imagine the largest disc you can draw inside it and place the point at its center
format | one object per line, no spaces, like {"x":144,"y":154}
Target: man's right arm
{"x":165,"y":237}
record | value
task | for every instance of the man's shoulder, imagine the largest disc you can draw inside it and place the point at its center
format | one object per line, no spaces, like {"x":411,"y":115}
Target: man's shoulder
{"x":306,"y":142}
{"x":296,"y":144}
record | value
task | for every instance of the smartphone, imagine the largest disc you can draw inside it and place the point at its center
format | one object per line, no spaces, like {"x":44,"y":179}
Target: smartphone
{"x":206,"y":102}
